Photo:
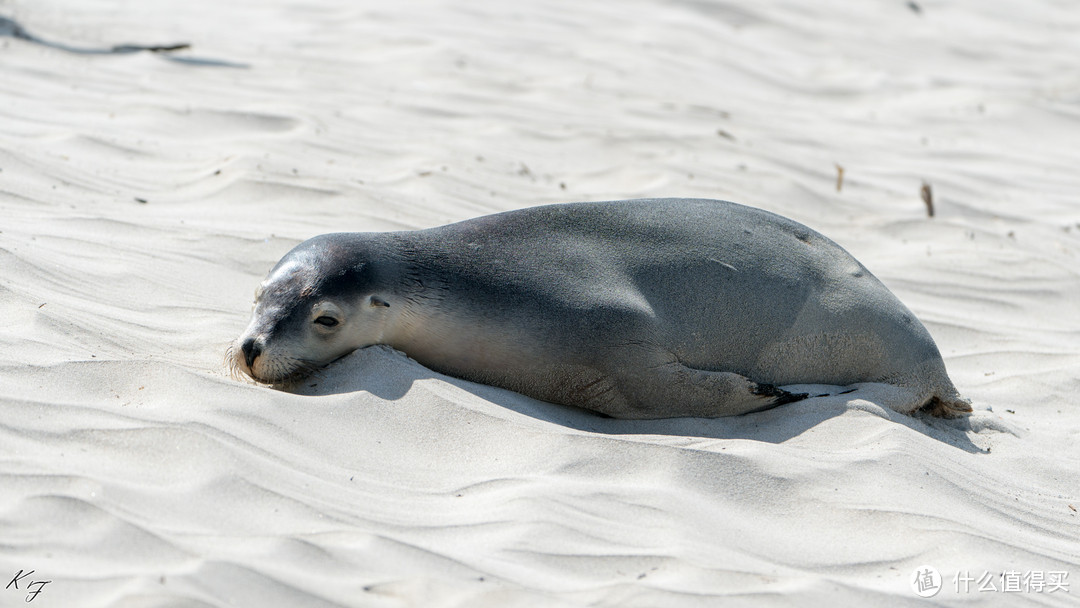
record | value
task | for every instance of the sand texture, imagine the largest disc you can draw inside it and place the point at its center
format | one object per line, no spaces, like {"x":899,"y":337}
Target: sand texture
{"x":144,"y":195}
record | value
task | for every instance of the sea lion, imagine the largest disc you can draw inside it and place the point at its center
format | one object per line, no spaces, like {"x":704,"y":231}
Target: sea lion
{"x":648,"y":308}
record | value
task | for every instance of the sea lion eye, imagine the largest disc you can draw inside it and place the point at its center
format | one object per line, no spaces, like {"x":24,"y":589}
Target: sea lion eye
{"x":326,"y":321}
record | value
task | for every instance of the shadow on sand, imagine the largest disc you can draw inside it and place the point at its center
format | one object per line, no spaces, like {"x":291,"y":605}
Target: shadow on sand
{"x":389,"y":375}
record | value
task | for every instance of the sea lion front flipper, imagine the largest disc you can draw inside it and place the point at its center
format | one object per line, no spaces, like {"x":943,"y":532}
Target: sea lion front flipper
{"x":674,"y":389}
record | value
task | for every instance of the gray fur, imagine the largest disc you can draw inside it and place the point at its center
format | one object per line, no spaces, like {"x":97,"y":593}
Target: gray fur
{"x":637,"y":309}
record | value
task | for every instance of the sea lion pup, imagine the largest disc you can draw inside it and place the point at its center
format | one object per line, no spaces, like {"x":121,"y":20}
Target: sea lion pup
{"x":649,"y":308}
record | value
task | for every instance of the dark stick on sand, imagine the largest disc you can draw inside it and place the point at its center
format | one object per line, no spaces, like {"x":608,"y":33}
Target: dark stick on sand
{"x":131,"y":48}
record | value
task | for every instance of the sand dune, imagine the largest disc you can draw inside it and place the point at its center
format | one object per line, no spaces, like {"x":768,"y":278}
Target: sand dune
{"x":144,"y":195}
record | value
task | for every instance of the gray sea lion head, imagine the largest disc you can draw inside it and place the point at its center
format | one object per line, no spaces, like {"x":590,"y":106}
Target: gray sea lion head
{"x":319,"y":303}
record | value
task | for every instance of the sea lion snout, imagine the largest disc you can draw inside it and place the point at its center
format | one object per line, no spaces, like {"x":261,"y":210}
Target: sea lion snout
{"x":251,"y":348}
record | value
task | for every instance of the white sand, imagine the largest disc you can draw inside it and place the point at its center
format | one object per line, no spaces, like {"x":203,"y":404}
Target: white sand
{"x":134,"y":473}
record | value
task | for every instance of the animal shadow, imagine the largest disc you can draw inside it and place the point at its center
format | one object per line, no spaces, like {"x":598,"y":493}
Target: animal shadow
{"x":390,"y":375}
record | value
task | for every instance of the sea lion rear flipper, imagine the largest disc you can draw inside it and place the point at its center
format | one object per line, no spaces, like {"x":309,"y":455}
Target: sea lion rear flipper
{"x":947,"y":408}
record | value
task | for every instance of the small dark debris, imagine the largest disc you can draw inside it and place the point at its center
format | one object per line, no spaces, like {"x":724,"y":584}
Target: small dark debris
{"x":424,"y":173}
{"x":928,"y":198}
{"x":725,"y":134}
{"x":1011,"y":411}
{"x":43,"y":304}
{"x":141,"y":200}
{"x":218,"y":172}
{"x":562,"y":185}
{"x":915,"y":8}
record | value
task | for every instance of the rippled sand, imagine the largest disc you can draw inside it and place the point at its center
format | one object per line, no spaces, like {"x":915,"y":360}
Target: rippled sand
{"x":143,"y":196}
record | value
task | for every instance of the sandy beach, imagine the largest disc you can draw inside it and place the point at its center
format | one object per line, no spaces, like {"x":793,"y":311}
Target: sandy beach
{"x":144,"y":195}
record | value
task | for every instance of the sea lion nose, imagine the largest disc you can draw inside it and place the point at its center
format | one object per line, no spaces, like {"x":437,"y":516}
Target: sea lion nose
{"x":252,"y":350}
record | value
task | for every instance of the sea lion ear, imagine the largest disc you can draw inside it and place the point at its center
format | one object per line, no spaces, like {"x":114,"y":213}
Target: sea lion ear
{"x":377,"y":301}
